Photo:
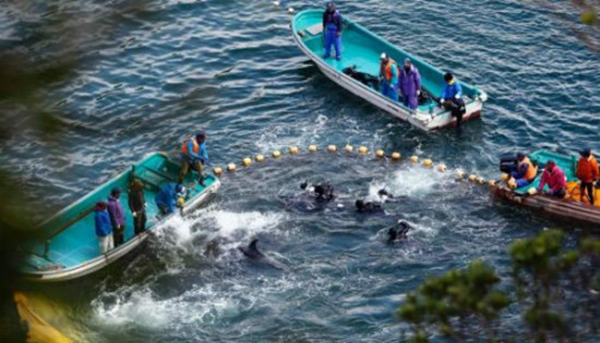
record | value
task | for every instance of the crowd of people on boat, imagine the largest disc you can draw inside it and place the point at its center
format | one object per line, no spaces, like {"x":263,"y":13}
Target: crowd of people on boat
{"x":400,"y":84}
{"x":109,"y":216}
{"x":525,"y":172}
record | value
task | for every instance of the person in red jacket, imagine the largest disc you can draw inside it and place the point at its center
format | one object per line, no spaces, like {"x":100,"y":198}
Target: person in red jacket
{"x":587,"y":173}
{"x":554,"y":177}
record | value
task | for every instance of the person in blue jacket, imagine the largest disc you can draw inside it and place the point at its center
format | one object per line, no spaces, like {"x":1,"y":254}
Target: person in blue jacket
{"x":166,"y":197}
{"x":194,"y":155}
{"x":332,"y":31}
{"x":451,"y":98}
{"x":103,"y":227}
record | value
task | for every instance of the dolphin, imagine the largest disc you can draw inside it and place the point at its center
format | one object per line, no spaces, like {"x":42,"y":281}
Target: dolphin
{"x":252,"y":252}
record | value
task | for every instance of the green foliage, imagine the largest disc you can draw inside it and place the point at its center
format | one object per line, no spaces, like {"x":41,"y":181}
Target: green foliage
{"x":466,"y":304}
{"x":457,"y":296}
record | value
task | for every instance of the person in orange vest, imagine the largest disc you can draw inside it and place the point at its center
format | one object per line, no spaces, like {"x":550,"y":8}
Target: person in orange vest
{"x":525,"y":173}
{"x":193,"y":155}
{"x":388,"y":73}
{"x":587,"y":173}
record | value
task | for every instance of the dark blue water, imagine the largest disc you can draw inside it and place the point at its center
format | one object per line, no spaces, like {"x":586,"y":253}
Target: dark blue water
{"x":148,"y":77}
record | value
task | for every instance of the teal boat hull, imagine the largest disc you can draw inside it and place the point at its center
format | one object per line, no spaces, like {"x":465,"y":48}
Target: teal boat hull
{"x":362,"y":49}
{"x":564,"y":208}
{"x":70,"y":247}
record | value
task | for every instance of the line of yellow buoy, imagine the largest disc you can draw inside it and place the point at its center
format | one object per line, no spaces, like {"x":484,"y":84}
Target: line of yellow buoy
{"x":362,"y":150}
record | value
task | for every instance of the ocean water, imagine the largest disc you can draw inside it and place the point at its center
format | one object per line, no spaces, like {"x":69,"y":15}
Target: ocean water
{"x":149,"y":73}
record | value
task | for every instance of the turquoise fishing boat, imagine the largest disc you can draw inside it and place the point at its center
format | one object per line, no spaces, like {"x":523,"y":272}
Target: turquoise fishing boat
{"x":361,"y":52}
{"x":570,"y":207}
{"x":70,"y":247}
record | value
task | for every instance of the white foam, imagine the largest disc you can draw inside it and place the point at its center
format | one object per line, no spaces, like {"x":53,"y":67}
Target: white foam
{"x":139,"y":308}
{"x":240,"y":225}
{"x":416,"y":182}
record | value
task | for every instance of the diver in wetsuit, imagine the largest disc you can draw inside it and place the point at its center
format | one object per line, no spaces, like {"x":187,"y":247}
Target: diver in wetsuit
{"x":399,"y":231}
{"x":363,"y":206}
{"x":322,"y":191}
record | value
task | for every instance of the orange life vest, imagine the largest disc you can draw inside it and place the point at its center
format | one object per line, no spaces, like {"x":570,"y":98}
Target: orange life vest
{"x":531,"y":171}
{"x":388,"y":69}
{"x":184,"y":147}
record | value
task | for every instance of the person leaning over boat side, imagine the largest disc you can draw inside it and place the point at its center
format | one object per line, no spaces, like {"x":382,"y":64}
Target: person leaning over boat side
{"x":137,"y":205}
{"x":167,"y":195}
{"x":388,"y":73}
{"x":332,"y":31}
{"x":103,"y":227}
{"x":193,"y":155}
{"x":451,"y":98}
{"x":587,"y":173}
{"x":525,"y":173}
{"x":117,"y":216}
{"x":555,"y":178}
{"x":410,"y":85}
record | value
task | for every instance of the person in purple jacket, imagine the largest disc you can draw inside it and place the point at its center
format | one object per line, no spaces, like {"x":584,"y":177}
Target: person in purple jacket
{"x":117,"y":216}
{"x":332,"y":31}
{"x":410,"y":85}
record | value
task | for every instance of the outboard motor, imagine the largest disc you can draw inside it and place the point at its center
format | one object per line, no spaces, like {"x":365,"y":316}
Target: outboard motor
{"x":508,"y":163}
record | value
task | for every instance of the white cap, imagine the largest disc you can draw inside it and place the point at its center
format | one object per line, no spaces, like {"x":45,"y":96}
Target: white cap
{"x":383,"y":55}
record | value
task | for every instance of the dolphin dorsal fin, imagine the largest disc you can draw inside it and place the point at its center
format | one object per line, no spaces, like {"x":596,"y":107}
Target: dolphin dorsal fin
{"x":252,"y":245}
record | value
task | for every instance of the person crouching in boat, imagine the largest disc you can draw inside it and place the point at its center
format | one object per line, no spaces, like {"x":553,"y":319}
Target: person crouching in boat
{"x":554,"y":177}
{"x":167,"y":197}
{"x":193,"y":155}
{"x":587,"y":173}
{"x":410,"y":85}
{"x":332,"y":31}
{"x":103,"y":227}
{"x":137,"y":206}
{"x":525,"y":173}
{"x":388,"y":73}
{"x":117,"y":216}
{"x":451,"y":98}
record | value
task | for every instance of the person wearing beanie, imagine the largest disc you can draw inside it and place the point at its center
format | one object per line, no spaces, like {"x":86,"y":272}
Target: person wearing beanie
{"x":555,"y":178}
{"x":332,"y":31}
{"x":117,"y":216}
{"x":194,"y":156}
{"x":587,"y":173}
{"x":410,"y":84}
{"x":103,"y":227}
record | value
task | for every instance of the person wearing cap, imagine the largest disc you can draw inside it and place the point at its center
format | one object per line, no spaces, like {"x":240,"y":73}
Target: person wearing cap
{"x":555,"y":178}
{"x":388,"y":73}
{"x":103,"y":227}
{"x":137,"y":206}
{"x":410,"y":85}
{"x":451,"y":98}
{"x":332,"y":31}
{"x":525,"y":173}
{"x":587,"y":173}
{"x":117,"y":216}
{"x":167,"y":196}
{"x":194,"y":155}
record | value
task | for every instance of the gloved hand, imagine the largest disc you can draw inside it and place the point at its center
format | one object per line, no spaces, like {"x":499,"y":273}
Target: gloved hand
{"x":442,"y":102}
{"x":134,"y":214}
{"x":418,"y":93}
{"x":457,"y":97}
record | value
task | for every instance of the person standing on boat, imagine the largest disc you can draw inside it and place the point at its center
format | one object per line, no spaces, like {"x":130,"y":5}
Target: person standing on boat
{"x":137,"y":205}
{"x":103,"y":227}
{"x":587,"y":173}
{"x":451,"y":98}
{"x":194,"y":155}
{"x":555,"y":178}
{"x":388,"y":72}
{"x":410,"y":85}
{"x":525,"y":173}
{"x":332,"y":31}
{"x":167,"y":195}
{"x":117,"y":216}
